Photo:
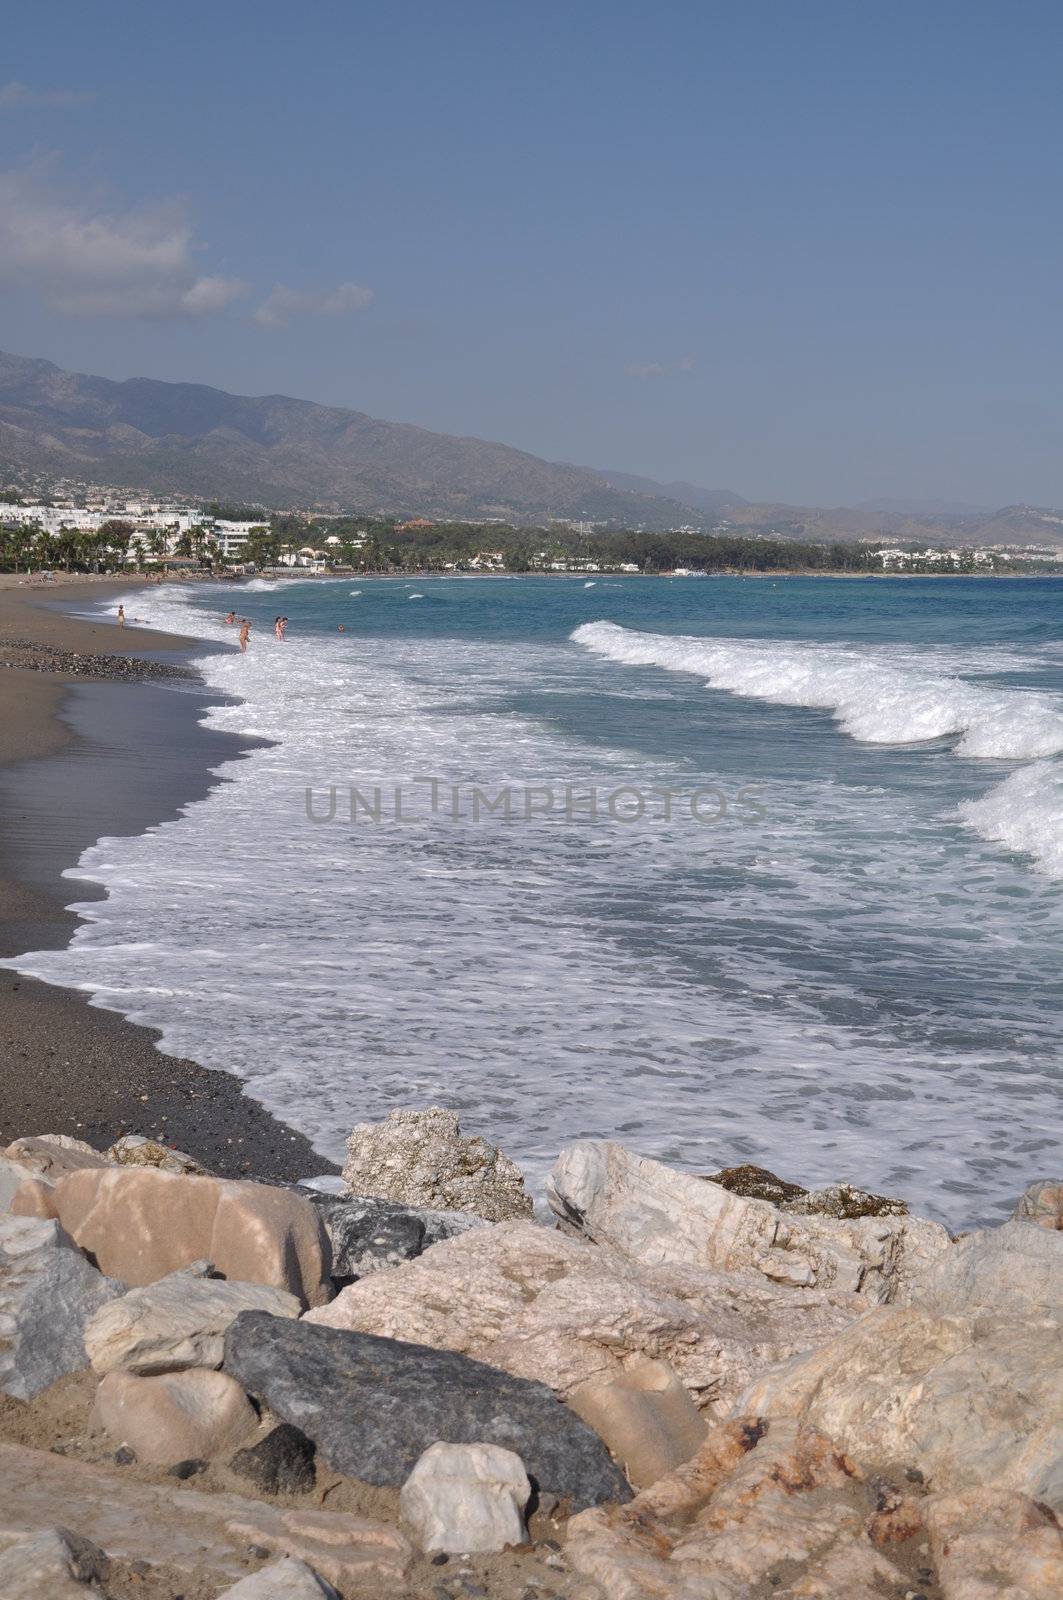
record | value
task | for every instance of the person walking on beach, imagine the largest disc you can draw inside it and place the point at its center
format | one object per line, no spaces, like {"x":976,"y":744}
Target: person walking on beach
{"x":245,"y":633}
{"x":121,"y":616}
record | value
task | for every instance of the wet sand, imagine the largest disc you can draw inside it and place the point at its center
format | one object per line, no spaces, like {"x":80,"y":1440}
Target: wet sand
{"x":81,"y":756}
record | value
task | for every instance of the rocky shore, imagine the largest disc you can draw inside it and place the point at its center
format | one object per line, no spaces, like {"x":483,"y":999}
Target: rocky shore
{"x":401,"y":1383}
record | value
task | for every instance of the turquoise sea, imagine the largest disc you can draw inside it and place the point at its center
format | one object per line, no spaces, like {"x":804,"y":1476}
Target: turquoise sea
{"x":816,"y":921}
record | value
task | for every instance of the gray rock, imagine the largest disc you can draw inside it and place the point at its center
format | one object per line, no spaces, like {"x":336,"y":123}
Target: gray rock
{"x":1014,"y":1269}
{"x":50,"y":1566}
{"x":369,"y":1235}
{"x":48,"y":1291}
{"x":286,"y":1579}
{"x":281,"y":1463}
{"x":373,"y":1406}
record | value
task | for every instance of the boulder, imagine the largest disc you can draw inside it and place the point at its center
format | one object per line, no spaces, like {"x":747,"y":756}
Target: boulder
{"x":373,"y":1406}
{"x":202,"y":1536}
{"x":421,"y":1158}
{"x":177,"y":1322}
{"x":286,"y":1579}
{"x":142,"y":1224}
{"x":466,"y":1498}
{"x":545,"y":1306}
{"x":1042,"y":1203}
{"x":656,"y":1215}
{"x":281,"y":1463}
{"x":756,"y":1183}
{"x":968,"y":1401}
{"x":12,"y":1176}
{"x":645,"y":1416}
{"x":35,"y":1197}
{"x":989,"y":1542}
{"x":1013,"y":1268}
{"x":176,"y":1416}
{"x":137,"y":1150}
{"x":52,"y":1565}
{"x":48,"y":1291}
{"x":53,"y":1155}
{"x":358,"y":1556}
{"x":369,"y":1235}
{"x":759,"y":1506}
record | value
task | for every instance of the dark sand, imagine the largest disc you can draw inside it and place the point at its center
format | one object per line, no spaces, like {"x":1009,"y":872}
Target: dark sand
{"x":79,"y":759}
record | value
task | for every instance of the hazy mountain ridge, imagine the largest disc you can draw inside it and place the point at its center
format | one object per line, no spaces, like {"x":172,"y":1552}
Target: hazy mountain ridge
{"x":274,"y":450}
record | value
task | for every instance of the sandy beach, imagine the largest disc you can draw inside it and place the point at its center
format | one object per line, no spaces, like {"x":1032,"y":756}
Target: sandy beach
{"x":85,"y":753}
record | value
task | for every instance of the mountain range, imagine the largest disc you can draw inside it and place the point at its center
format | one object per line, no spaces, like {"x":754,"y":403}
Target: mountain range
{"x":279,"y":452}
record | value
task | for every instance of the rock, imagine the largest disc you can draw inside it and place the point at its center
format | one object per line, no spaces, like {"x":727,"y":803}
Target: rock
{"x":177,"y":1322}
{"x":52,"y":1565}
{"x":12,"y":1176}
{"x":1013,"y":1268}
{"x":286,"y":1579}
{"x":989,"y":1543}
{"x":756,"y":1183}
{"x":1042,"y":1203}
{"x":48,"y":1291}
{"x":969,"y":1401}
{"x":757,"y":1501}
{"x":53,"y":1155}
{"x":544,"y":1306}
{"x":202,"y":1535}
{"x":466,"y":1498}
{"x":373,"y":1406}
{"x":281,"y":1463}
{"x":843,"y":1202}
{"x":35,"y":1197}
{"x":655,"y":1215}
{"x":645,"y":1416}
{"x":421,"y":1158}
{"x":368,"y":1558}
{"x":176,"y":1416}
{"x":369,"y":1235}
{"x":142,"y":1224}
{"x":136,"y":1150}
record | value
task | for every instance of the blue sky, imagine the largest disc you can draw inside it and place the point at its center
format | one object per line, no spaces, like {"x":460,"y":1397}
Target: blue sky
{"x":803,"y":251}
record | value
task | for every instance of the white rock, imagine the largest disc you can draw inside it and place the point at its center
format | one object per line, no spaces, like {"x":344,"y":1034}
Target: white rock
{"x":178,"y":1416}
{"x":12,"y":1176}
{"x":286,"y":1579}
{"x":544,"y":1306}
{"x":657,"y":1215}
{"x":177,"y":1322}
{"x":970,"y":1401}
{"x":137,"y":1150}
{"x":421,"y":1158}
{"x":1013,"y":1268}
{"x":52,"y":1565}
{"x":466,"y":1497}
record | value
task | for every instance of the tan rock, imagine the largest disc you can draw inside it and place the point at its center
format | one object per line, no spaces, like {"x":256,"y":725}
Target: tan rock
{"x":52,"y":1155}
{"x":348,"y":1551}
{"x":137,"y":1150}
{"x":757,"y":1502}
{"x":645,"y":1416}
{"x":286,"y":1579}
{"x":170,"y":1524}
{"x":1042,"y":1203}
{"x":989,"y":1544}
{"x":970,"y":1401}
{"x":544,"y":1306}
{"x":178,"y":1416}
{"x":141,"y":1224}
{"x":178,"y":1322}
{"x":421,"y":1158}
{"x":657,"y":1215}
{"x":34,"y":1197}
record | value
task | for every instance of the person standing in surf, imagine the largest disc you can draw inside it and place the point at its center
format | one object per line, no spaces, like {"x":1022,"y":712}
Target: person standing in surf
{"x":121,"y":616}
{"x":245,"y":633}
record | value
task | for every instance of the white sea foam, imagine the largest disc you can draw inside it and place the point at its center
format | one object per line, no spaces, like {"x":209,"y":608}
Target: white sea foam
{"x":703,"y":994}
{"x":1025,"y":812}
{"x":881,"y":697}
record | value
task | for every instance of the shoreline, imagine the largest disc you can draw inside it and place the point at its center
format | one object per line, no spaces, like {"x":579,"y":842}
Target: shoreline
{"x":74,"y":749}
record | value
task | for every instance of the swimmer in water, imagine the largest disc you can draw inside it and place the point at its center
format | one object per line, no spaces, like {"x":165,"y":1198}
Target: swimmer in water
{"x":341,"y":629}
{"x":231,"y":618}
{"x":245,"y":633}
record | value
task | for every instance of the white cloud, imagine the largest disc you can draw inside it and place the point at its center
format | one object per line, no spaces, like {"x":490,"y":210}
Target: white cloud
{"x":282,"y":303}
{"x":660,"y":369}
{"x":15,"y":96}
{"x":86,"y":261}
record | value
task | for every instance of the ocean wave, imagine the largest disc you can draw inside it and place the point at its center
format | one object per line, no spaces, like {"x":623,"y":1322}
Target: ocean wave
{"x":878,"y":697}
{"x":1025,"y":812}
